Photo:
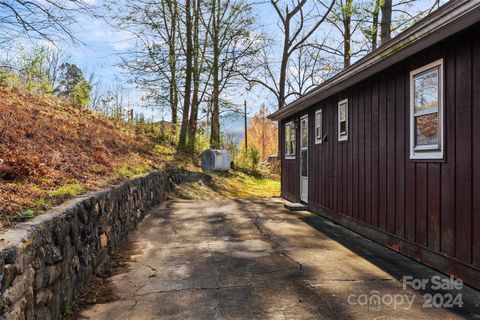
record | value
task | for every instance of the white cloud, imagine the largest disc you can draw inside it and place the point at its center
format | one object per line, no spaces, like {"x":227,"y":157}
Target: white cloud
{"x":101,"y":33}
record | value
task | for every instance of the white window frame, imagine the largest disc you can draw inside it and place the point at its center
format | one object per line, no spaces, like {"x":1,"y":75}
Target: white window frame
{"x":289,"y":126}
{"x":434,"y":152}
{"x":319,"y":140}
{"x":340,"y":136}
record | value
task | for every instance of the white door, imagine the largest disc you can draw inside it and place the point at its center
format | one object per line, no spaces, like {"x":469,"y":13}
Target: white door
{"x":304,"y":158}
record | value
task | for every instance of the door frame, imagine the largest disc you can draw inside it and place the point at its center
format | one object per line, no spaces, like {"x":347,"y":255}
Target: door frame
{"x":304,"y":181}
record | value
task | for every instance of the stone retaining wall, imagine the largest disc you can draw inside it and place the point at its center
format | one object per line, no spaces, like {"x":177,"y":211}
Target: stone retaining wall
{"x":43,"y":261}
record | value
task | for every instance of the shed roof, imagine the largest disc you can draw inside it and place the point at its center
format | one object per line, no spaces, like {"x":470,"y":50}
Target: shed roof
{"x":454,"y":16}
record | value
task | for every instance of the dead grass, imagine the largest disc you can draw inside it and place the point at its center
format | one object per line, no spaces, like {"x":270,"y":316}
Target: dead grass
{"x":51,"y":151}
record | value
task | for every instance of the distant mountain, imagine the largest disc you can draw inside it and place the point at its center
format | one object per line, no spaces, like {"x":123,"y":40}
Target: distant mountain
{"x":233,"y":123}
{"x":233,"y":128}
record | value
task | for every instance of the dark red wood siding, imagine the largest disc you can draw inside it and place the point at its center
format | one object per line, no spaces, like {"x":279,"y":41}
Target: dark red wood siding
{"x":429,"y":210}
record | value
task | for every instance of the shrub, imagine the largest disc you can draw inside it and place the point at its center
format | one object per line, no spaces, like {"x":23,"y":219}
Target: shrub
{"x":249,"y":162}
{"x":81,"y":93}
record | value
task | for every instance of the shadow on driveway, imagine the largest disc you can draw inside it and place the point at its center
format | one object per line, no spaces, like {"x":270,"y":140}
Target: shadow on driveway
{"x":252,"y":259}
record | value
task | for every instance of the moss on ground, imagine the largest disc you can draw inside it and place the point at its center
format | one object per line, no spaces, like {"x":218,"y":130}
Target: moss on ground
{"x":232,"y":184}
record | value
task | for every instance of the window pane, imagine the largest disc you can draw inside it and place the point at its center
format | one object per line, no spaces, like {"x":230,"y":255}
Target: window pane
{"x":343,"y":127}
{"x":426,"y":91}
{"x":304,"y":133}
{"x":287,"y":139}
{"x":426,"y":130}
{"x":318,"y":126}
{"x":343,"y":112}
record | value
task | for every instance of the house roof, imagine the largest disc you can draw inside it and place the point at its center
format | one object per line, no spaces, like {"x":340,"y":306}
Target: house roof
{"x":449,"y":19}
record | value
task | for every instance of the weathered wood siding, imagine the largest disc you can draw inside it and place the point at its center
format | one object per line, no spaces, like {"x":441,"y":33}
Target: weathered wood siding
{"x":427,"y":209}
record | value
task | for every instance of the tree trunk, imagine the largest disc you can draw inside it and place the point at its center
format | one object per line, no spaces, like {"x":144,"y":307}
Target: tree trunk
{"x":172,"y":63}
{"x":215,"y":129}
{"x":283,"y":68}
{"x":347,"y":35}
{"x":386,"y":23}
{"x":375,"y":13}
{"x":188,"y":75}
{"x":192,"y":125}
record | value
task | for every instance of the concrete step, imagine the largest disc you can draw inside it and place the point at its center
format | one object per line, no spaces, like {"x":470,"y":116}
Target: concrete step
{"x":296,"y":206}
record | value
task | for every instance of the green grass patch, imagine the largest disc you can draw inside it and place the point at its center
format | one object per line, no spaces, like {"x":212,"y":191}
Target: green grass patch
{"x":71,"y":189}
{"x":42,"y":203}
{"x":231,"y":184}
{"x":67,"y":310}
{"x":25,"y":215}
{"x":131,"y":171}
{"x":241,"y":185}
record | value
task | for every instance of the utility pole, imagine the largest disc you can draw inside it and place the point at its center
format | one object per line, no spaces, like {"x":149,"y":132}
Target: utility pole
{"x":245,"y":116}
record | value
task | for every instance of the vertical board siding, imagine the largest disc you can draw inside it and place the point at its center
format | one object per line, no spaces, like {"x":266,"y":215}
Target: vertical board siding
{"x":361,"y":156}
{"x":382,"y":156}
{"x":447,"y":195}
{"x":421,"y":184}
{"x":463,"y":152}
{"x":391,"y":142}
{"x":433,"y":224}
{"x":476,"y":151}
{"x":371,"y":179}
{"x":368,"y":155}
{"x":375,"y":148}
{"x":400,"y":150}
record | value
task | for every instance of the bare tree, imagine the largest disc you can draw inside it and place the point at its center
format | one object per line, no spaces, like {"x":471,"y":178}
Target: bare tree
{"x":400,"y":14}
{"x":199,"y":55}
{"x":386,"y":22}
{"x":370,"y":27}
{"x":154,"y":62}
{"x":347,"y":19}
{"x":47,"y":19}
{"x":298,"y":20}
{"x":188,"y":74}
{"x":309,"y":66}
{"x":296,"y":33}
{"x":233,"y":44}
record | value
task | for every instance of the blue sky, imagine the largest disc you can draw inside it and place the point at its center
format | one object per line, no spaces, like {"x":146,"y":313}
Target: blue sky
{"x":102,"y":45}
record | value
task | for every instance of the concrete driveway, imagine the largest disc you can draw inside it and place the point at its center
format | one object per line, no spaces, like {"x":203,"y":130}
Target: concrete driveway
{"x":252,"y":259}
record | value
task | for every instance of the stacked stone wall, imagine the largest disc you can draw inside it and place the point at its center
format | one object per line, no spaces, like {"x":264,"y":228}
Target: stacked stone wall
{"x":45,"y":260}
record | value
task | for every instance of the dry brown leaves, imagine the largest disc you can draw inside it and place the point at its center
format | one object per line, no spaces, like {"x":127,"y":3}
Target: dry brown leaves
{"x":46,"y":141}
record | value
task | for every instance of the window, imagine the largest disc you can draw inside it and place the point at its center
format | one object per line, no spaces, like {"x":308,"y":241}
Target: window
{"x":426,"y":112}
{"x":343,"y":120}
{"x":318,"y":126}
{"x":290,"y":140}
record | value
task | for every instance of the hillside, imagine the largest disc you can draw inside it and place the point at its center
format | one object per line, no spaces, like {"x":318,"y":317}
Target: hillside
{"x":51,"y":151}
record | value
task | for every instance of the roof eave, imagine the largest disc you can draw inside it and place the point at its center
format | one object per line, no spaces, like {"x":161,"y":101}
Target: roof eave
{"x":448,"y":20}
